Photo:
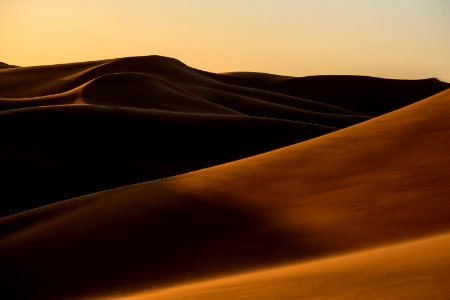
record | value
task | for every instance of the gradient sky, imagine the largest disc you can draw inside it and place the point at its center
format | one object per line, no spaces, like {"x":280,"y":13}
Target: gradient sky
{"x":388,"y":38}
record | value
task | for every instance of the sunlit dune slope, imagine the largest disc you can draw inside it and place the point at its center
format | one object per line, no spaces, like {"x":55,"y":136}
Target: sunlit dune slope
{"x":382,"y":181}
{"x":414,"y":270}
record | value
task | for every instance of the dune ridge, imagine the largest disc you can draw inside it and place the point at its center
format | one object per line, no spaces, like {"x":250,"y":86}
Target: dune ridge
{"x":381,"y":181}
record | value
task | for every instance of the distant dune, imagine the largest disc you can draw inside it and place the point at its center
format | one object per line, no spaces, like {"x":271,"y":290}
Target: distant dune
{"x":350,"y":212}
{"x":5,"y":66}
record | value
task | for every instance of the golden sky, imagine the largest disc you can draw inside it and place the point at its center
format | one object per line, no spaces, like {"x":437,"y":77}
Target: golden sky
{"x":398,"y":39}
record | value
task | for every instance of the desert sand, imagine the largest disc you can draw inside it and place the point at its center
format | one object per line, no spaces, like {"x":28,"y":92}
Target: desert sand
{"x":413,"y":270}
{"x":143,"y":178}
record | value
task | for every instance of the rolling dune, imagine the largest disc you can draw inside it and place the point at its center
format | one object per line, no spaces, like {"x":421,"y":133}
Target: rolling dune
{"x":378,"y":182}
{"x":318,"y":206}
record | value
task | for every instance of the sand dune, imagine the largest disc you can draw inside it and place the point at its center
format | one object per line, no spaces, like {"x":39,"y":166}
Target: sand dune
{"x":378,"y":182}
{"x":380,"y":95}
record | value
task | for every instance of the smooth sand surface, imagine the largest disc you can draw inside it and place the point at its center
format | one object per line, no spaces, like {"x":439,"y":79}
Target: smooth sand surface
{"x":383,"y":181}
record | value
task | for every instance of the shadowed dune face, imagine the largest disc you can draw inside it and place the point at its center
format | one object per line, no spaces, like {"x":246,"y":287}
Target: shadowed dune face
{"x":85,"y":127}
{"x":381,"y":181}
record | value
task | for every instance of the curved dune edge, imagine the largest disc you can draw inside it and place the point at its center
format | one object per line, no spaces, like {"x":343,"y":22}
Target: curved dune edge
{"x":375,"y":183}
{"x":411,"y":270}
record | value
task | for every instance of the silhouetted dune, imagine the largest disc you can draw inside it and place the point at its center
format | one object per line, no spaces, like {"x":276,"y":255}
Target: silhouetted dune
{"x":6,"y":66}
{"x":382,"y":181}
{"x":363,"y":94}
